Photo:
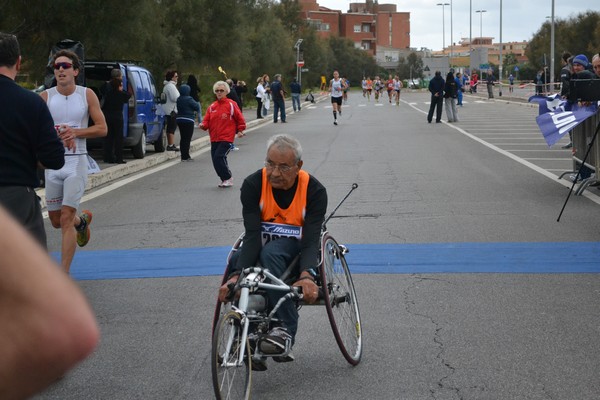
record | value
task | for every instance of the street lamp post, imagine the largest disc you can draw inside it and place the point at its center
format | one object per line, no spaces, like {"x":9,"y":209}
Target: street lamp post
{"x":470,"y":35}
{"x":298,"y":67}
{"x":443,"y":25}
{"x":552,"y":50}
{"x":451,"y":37}
{"x":500,"y":61}
{"x":480,"y":23}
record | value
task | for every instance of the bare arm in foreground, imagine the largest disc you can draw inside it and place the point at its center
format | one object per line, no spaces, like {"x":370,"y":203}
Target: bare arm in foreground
{"x":46,"y":324}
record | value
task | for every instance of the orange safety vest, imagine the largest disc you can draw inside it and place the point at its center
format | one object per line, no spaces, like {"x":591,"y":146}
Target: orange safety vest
{"x":277,"y":222}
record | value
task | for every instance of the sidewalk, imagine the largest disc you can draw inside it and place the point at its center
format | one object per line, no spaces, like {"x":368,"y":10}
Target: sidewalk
{"x":112,"y":172}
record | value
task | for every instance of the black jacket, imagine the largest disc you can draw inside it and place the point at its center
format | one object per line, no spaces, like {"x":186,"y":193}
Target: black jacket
{"x":27,"y":135}
{"x":436,"y":85}
{"x":450,"y":89}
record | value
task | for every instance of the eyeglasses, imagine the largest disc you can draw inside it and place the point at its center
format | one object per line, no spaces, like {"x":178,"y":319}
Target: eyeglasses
{"x":281,"y":167}
{"x":219,"y":90}
{"x":63,"y":65}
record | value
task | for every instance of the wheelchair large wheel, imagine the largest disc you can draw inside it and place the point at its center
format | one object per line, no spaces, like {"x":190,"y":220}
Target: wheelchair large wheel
{"x":220,"y":307}
{"x":231,"y":380}
{"x":340,"y":300}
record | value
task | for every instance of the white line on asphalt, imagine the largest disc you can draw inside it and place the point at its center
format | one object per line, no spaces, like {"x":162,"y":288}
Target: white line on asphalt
{"x":550,"y":159}
{"x":520,"y":160}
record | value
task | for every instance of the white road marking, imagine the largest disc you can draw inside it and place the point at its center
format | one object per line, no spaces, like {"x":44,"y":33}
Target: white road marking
{"x":542,"y":171}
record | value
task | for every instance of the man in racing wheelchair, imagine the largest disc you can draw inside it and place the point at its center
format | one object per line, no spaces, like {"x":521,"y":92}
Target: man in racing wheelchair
{"x":283,"y":208}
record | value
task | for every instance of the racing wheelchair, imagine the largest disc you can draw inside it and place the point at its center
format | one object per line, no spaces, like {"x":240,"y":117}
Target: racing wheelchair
{"x":238,"y":326}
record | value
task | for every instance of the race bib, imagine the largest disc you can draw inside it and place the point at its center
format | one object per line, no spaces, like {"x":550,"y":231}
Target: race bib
{"x":271,"y":231}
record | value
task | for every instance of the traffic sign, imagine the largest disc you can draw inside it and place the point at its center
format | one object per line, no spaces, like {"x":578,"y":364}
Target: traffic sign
{"x":304,"y":69}
{"x":300,"y":63}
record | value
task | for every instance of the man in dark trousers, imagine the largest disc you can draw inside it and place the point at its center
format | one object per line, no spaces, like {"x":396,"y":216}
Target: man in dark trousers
{"x":28,"y":139}
{"x":278,"y":98}
{"x":489,"y":81}
{"x":436,"y":87}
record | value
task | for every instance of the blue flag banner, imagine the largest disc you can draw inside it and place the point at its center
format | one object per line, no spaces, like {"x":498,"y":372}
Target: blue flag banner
{"x":557,"y":116}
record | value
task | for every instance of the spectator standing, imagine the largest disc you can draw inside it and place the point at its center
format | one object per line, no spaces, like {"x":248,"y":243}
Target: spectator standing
{"x":459,"y":88}
{"x":187,"y":110}
{"x":474,"y":82}
{"x":565,"y":78}
{"x":113,"y":101}
{"x":28,"y":139}
{"x":296,"y":91}
{"x":192,"y":82}
{"x":539,"y":83}
{"x":511,"y":83}
{"x":224,"y":121}
{"x":266,"y":101}
{"x":240,"y":88}
{"x":465,"y":80}
{"x":71,"y":107}
{"x":436,"y":88}
{"x":580,"y":68}
{"x":489,"y":81}
{"x":278,"y":95}
{"x":596,"y":64}
{"x":115,"y":73}
{"x":450,"y":96}
{"x":235,"y":96}
{"x":171,"y":94}
{"x":46,"y":324}
{"x":260,"y":94}
{"x":232,"y":95}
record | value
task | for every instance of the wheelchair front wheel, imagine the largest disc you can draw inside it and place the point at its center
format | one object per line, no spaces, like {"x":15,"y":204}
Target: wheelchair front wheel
{"x":340,"y":300}
{"x":231,"y":379}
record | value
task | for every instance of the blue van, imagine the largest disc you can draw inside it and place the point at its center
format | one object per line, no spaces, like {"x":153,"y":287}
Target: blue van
{"x":142,"y":116}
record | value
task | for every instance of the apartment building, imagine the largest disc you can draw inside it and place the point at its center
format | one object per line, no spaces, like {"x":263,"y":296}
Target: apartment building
{"x":379,"y":29}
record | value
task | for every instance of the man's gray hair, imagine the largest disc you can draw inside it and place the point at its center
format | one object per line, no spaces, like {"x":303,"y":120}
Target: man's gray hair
{"x":277,"y":77}
{"x":282,"y":142}
{"x":221,"y":83}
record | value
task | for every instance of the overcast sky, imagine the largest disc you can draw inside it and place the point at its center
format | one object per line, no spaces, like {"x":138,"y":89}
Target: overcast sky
{"x":521,"y":19}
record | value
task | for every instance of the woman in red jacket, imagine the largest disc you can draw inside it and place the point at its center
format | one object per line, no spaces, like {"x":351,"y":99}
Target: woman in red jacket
{"x":224,"y":121}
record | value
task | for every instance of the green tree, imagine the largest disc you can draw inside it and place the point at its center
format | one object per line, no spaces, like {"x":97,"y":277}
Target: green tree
{"x":410,"y":67}
{"x":578,"y":35}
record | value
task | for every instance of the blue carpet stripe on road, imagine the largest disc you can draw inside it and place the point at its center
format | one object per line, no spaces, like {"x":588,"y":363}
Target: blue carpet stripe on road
{"x":559,"y":257}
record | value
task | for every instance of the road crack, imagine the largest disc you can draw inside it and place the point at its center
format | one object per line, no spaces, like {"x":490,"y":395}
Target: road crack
{"x":443,"y":384}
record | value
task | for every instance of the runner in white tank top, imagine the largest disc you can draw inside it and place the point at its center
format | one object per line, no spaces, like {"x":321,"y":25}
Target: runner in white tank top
{"x":71,"y":107}
{"x":336,"y":87}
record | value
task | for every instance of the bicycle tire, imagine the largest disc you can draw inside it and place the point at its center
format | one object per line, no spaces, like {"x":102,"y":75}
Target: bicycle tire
{"x":340,"y":300}
{"x":230,"y":382}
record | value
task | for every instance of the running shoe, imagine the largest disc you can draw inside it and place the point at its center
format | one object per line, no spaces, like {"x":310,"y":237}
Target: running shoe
{"x":83,"y":232}
{"x":276,"y":341}
{"x":227,"y":183}
{"x":335,"y":121}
